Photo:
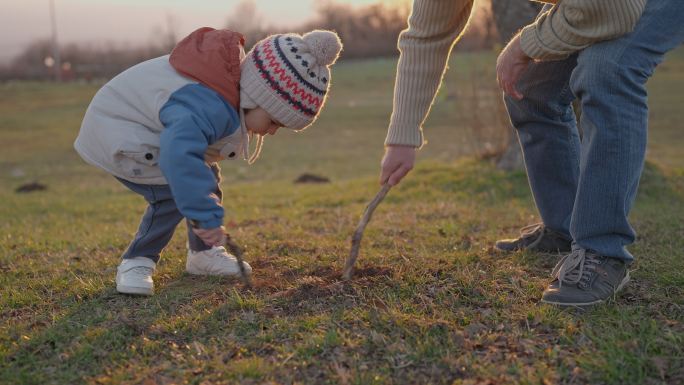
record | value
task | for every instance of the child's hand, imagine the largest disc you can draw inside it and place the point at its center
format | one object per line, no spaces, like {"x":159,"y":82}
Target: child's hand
{"x":212,"y":237}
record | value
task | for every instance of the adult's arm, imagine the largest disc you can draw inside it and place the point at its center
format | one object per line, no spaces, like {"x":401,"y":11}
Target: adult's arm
{"x":434,"y":27}
{"x":572,"y":25}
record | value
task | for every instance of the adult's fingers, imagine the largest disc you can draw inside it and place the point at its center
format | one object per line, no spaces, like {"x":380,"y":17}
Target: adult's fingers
{"x":515,"y":93}
{"x":387,"y":170}
{"x":510,"y":89}
{"x":512,"y":84}
{"x":398,"y":175}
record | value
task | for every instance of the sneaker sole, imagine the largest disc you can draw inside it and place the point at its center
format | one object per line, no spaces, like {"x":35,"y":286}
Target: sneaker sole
{"x":579,"y":304}
{"x":196,"y":272}
{"x":134,"y":290}
{"x":517,"y":249}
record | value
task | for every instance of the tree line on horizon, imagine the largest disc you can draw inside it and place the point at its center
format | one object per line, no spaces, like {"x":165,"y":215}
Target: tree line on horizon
{"x":369,"y":31}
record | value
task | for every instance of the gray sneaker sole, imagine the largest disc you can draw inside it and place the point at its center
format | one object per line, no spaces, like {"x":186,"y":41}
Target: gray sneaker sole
{"x":624,"y":282}
{"x":503,"y":246}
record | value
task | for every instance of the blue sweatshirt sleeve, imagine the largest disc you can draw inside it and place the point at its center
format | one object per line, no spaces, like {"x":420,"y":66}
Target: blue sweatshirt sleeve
{"x":194,"y":117}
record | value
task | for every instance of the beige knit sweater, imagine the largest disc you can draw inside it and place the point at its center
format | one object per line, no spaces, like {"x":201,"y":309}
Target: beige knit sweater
{"x":436,"y":25}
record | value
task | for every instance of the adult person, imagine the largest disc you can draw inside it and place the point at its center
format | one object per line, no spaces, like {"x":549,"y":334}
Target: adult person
{"x":599,"y":51}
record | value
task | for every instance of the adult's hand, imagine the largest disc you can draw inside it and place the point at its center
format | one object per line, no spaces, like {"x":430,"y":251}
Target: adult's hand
{"x":396,"y":163}
{"x":510,"y":65}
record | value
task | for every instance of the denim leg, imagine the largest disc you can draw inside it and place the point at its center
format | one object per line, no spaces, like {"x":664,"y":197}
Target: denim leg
{"x":194,"y":242}
{"x":157,"y":224}
{"x":547,"y":131}
{"x":609,"y":80}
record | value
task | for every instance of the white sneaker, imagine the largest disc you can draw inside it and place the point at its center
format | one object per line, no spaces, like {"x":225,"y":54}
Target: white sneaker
{"x":215,"y":261}
{"x":134,"y":276}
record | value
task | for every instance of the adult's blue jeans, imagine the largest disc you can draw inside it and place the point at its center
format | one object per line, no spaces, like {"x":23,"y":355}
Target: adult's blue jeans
{"x":585,"y":188}
{"x":160,"y":220}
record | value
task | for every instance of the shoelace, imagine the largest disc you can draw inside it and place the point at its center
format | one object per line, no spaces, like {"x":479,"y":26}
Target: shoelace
{"x":575,"y":267}
{"x":142,"y":271}
{"x":531,"y":231}
{"x":215,"y":256}
{"x":218,"y":251}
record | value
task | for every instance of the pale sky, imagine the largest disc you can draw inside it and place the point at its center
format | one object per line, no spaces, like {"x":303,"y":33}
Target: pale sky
{"x":132,"y":21}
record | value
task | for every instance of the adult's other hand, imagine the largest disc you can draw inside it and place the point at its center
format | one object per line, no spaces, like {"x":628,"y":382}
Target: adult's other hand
{"x":510,"y":65}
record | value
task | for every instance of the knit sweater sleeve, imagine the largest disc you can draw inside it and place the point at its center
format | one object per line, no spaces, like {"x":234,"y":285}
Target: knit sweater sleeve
{"x":572,"y":25}
{"x":434,"y":27}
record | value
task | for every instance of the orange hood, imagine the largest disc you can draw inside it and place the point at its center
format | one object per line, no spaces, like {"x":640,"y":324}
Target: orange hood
{"x":212,"y":57}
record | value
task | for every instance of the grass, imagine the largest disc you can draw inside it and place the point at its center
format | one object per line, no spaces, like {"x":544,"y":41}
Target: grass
{"x":431,"y":303}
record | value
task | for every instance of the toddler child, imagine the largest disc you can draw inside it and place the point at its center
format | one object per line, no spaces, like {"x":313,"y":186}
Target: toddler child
{"x":161,"y":126}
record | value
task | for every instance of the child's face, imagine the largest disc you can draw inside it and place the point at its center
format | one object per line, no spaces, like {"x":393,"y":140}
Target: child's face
{"x":258,"y":121}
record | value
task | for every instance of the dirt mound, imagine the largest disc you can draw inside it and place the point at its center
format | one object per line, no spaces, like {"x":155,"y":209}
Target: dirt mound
{"x":30,"y":187}
{"x":311,"y":178}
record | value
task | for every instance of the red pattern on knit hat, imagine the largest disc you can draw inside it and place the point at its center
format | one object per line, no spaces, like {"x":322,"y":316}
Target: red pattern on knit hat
{"x":288,"y":75}
{"x":272,"y":61}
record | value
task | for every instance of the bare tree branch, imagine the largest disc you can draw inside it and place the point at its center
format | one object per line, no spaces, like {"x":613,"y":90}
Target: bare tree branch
{"x":358,"y":233}
{"x":237,"y":251}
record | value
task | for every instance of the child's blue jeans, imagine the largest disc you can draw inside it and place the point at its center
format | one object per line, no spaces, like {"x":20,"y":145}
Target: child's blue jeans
{"x":160,"y":220}
{"x":585,"y":188}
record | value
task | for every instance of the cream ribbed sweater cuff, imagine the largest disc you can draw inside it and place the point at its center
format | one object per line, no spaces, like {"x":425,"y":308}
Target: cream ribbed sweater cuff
{"x":533,"y":46}
{"x":572,"y":25}
{"x":404,"y":135}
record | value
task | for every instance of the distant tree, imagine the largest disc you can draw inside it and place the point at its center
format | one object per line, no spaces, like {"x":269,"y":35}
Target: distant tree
{"x":368,"y":31}
{"x":31,"y":62}
{"x":511,"y":15}
{"x":167,"y":34}
{"x":80,"y":61}
{"x":246,"y":19}
{"x":481,"y":32}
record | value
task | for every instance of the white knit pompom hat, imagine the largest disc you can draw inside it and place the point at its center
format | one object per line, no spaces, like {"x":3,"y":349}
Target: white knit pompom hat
{"x":289,"y":75}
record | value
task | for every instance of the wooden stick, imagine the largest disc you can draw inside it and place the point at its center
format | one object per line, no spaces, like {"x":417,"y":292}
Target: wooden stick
{"x":237,"y":251}
{"x":358,"y":233}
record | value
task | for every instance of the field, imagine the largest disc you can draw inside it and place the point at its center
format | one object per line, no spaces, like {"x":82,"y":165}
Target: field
{"x":431,"y":302}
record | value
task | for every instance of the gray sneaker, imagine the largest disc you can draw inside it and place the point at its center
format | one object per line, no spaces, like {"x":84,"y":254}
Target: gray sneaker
{"x":537,"y":237}
{"x":582,"y":278}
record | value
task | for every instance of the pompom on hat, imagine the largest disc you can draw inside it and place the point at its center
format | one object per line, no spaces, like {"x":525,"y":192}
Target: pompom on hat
{"x":288,"y":75}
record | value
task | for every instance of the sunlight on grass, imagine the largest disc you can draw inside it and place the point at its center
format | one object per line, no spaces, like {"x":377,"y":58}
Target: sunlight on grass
{"x":431,"y":302}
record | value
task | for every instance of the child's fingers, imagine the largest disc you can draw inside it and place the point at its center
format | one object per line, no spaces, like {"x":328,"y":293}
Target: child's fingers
{"x":211,"y":237}
{"x":222,"y":240}
{"x":217,"y":237}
